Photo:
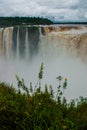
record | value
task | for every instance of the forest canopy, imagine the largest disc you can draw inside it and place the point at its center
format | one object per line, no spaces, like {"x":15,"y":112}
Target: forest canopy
{"x":13,"y":21}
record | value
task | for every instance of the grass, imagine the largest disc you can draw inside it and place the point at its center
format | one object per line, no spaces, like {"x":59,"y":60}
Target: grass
{"x":29,"y":108}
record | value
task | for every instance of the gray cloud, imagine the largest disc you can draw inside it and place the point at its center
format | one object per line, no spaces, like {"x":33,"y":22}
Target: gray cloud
{"x":62,"y":10}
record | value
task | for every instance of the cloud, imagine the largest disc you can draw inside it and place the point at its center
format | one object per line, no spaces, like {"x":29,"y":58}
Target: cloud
{"x":60,"y":10}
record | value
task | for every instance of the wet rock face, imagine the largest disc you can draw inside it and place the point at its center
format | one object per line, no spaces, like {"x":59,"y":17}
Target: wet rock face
{"x":14,"y":40}
{"x":43,"y":31}
{"x":33,"y":38}
{"x":22,"y":42}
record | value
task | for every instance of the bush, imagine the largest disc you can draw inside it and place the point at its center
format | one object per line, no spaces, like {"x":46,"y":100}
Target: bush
{"x":33,"y":109}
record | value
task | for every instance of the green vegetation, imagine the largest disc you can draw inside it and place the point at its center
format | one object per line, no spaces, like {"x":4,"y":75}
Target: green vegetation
{"x":34,"y":109}
{"x":13,"y":21}
{"x":71,"y":22}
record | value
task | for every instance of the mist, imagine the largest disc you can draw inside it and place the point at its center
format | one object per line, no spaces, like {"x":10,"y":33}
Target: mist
{"x":72,"y":69}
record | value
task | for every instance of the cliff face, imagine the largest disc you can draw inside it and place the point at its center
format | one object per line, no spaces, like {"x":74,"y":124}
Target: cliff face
{"x":29,"y":41}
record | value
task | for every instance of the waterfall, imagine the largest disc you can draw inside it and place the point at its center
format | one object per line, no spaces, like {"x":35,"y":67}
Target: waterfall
{"x":1,"y":41}
{"x":62,"y":48}
{"x":17,"y":55}
{"x":69,"y":40}
{"x":5,"y":41}
{"x":21,"y":42}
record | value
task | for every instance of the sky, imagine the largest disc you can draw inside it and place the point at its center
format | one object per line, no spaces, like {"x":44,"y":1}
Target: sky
{"x":57,"y":10}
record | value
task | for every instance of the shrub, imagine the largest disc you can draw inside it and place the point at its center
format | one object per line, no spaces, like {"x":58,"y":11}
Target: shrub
{"x":30,"y":108}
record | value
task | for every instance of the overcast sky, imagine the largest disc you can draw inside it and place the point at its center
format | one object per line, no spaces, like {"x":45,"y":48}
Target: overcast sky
{"x":63,"y":10}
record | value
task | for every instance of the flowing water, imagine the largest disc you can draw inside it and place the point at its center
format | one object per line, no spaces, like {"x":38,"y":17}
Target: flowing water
{"x":62,"y":49}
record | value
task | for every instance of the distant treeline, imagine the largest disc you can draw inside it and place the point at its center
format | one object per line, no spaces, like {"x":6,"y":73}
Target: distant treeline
{"x":13,"y":21}
{"x":70,"y":22}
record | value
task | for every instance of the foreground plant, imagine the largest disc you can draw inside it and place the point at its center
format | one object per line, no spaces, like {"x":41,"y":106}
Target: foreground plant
{"x":30,"y":108}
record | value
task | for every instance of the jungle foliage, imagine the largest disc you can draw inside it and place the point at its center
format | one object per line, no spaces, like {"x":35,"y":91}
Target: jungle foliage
{"x":30,"y":108}
{"x":14,"y":21}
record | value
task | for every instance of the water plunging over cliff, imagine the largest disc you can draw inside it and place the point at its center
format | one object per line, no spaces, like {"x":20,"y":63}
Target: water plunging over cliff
{"x":63,"y":49}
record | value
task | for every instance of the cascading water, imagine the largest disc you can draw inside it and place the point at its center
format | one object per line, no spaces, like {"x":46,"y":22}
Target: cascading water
{"x":62,"y":48}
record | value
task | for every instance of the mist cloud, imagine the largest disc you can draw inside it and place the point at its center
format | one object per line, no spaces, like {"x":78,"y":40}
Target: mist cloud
{"x":62,"y":10}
